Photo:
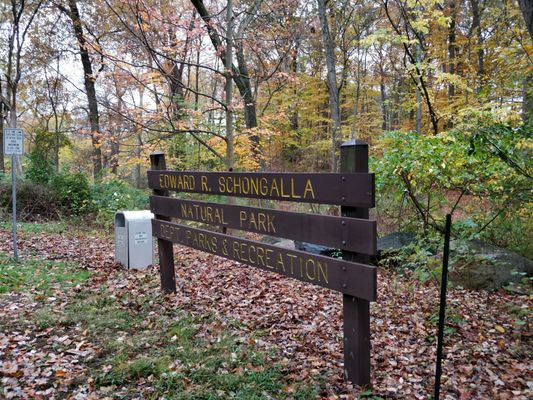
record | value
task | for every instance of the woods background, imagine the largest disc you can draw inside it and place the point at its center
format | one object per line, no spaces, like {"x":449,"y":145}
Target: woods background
{"x":441,"y":90}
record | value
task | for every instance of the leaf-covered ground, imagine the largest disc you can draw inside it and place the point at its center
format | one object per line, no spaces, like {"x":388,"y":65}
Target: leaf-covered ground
{"x":81,"y":327}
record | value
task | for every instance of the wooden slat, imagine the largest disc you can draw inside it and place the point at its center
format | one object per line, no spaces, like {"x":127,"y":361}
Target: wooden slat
{"x":341,"y":233}
{"x":353,"y":189}
{"x":343,"y":276}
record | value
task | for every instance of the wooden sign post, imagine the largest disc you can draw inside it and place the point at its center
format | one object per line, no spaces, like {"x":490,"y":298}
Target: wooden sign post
{"x":356,"y":311}
{"x":166,"y":254}
{"x":352,"y":232}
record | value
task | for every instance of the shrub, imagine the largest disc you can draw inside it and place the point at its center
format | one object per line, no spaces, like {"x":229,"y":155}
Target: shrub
{"x":112,"y":196}
{"x":482,"y":176}
{"x":73,"y":192}
{"x":34,"y":201}
{"x":40,"y":169}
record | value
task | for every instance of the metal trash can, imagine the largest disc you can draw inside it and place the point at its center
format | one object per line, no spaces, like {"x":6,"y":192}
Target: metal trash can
{"x":133,"y":239}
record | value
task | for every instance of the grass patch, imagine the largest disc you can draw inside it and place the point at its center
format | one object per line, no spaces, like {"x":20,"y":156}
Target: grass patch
{"x":147,"y":349}
{"x":174,"y":355}
{"x":38,"y":227}
{"x":70,"y":226}
{"x":100,"y":313}
{"x":40,"y":275}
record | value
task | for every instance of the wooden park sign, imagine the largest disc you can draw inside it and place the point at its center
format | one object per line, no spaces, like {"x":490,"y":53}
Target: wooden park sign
{"x":352,"y":232}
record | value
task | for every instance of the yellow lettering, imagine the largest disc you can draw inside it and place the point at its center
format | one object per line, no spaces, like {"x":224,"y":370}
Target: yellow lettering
{"x":261,"y":256}
{"x":244,"y":252}
{"x":309,"y":188}
{"x":217,"y":217}
{"x":323,"y":269}
{"x":242,"y":217}
{"x":228,"y":184}
{"x":225,"y":247}
{"x":271,"y":223}
{"x":245,"y":188}
{"x":222,"y":220}
{"x":312,"y":263}
{"x":183,"y":207}
{"x":201,"y":241}
{"x":281,"y":263}
{"x":203,"y":180}
{"x":254,"y":186}
{"x":261,"y":219}
{"x":293,"y":194}
{"x":282,"y":191}
{"x":291,"y":257}
{"x":236,"y":250}
{"x":209,"y":214}
{"x":268,"y":252}
{"x":274,"y":185}
{"x":252,"y":221}
{"x":237,"y":185}
{"x":252,"y":250}
{"x":221,"y":187}
{"x":264,"y":185}
{"x":214,"y":244}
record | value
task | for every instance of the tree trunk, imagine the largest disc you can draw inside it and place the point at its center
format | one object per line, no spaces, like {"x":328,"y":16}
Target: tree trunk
{"x":229,"y":86}
{"x":334,"y":102}
{"x":90,"y":90}
{"x":245,"y":89}
{"x":240,"y":75}
{"x":294,"y":118}
{"x":418,"y":121}
{"x":451,"y":57}
{"x":526,"y":6}
{"x":383,"y":96}
{"x":2,"y":165}
{"x":355,"y":111}
{"x":176,"y":90}
{"x":476,"y":28}
{"x":527,"y":106}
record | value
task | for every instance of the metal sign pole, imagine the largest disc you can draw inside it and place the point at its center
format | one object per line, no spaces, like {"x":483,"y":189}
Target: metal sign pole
{"x":14,"y":204}
{"x":14,"y":145}
{"x":442,"y":310}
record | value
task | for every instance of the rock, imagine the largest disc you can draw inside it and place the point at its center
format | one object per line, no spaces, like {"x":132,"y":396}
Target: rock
{"x":270,"y":239}
{"x":285,"y":243}
{"x":395,"y":241}
{"x":315,"y":248}
{"x":478,"y":265}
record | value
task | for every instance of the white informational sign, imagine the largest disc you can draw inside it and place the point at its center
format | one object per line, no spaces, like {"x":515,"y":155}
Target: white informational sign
{"x":13,"y":141}
{"x":141,"y":237}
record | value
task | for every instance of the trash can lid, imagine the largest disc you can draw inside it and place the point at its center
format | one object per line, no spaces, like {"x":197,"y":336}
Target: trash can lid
{"x":136,"y":215}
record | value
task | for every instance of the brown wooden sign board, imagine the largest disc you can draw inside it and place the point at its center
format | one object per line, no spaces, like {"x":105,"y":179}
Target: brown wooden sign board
{"x":352,"y":234}
{"x":349,"y":189}
{"x":347,"y":277}
{"x":353,"y":190}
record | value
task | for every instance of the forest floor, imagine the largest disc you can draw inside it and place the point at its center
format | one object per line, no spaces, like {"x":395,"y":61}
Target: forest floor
{"x":76,"y":325}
